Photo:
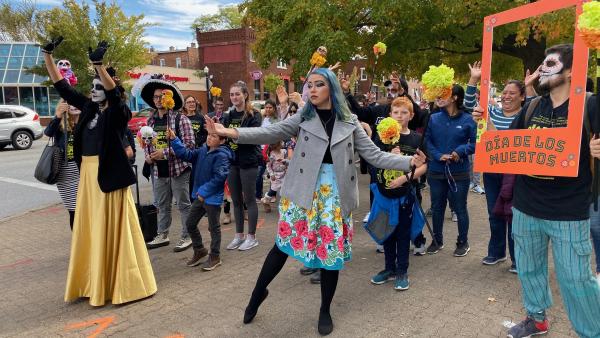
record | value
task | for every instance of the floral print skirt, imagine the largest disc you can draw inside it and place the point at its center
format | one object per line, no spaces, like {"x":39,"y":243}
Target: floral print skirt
{"x":318,"y":237}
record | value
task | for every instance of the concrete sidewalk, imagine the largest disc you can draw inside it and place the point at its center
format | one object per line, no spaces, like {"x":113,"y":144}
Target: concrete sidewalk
{"x":448,"y":296}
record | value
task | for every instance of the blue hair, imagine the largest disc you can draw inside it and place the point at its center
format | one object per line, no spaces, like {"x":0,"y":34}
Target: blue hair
{"x":336,"y":95}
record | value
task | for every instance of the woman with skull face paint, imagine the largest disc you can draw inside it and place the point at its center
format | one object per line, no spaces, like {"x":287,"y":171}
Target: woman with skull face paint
{"x":109,"y":260}
{"x":315,"y":225}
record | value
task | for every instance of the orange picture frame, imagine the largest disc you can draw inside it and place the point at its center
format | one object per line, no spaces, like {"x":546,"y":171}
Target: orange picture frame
{"x":546,"y":152}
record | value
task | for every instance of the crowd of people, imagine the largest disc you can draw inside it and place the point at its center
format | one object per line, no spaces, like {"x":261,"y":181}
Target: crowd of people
{"x":306,"y":149}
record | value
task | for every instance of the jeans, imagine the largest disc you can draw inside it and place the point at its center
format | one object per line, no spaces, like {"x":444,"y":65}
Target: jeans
{"x":571,"y":250}
{"x":397,"y":247}
{"x":595,"y":230}
{"x":164,"y":193}
{"x":475,"y":177}
{"x":440,"y":192}
{"x":259,"y":181}
{"x":197,"y":211}
{"x":498,"y":225}
{"x":242,"y":185}
{"x":271,"y":193}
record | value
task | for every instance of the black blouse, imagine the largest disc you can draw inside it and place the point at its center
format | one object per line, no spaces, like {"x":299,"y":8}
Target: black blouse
{"x":327,"y":117}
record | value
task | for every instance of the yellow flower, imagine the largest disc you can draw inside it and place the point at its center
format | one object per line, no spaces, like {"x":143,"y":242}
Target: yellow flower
{"x":285,"y":204}
{"x":320,"y":206}
{"x":215,"y":91}
{"x":325,"y":189}
{"x":337,"y":214}
{"x":317,"y":60}
{"x":310,"y":214}
{"x":324,"y":215}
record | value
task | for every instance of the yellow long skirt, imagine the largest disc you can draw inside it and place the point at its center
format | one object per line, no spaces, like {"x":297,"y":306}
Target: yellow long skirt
{"x":109,"y":259}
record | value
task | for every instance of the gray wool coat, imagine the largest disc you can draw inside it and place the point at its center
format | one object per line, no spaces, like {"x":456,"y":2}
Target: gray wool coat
{"x":312,"y":141}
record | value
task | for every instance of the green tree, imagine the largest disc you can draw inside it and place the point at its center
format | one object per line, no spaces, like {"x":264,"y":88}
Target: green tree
{"x":18,"y":21}
{"x":417,"y":33}
{"x":228,"y":17}
{"x":271,"y":82}
{"x":124,"y":34}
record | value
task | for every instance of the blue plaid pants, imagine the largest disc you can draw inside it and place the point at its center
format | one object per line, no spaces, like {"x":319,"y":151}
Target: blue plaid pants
{"x":572,"y":250}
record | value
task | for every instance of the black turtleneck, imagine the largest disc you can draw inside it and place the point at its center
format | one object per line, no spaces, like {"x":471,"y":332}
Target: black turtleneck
{"x":327,"y":117}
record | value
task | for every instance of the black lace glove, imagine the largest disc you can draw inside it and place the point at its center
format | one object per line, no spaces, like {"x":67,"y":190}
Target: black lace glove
{"x":49,"y":47}
{"x":97,"y":55}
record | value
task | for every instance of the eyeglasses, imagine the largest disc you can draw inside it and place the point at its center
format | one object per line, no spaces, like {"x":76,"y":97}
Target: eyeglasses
{"x":188,"y":102}
{"x":156,"y":97}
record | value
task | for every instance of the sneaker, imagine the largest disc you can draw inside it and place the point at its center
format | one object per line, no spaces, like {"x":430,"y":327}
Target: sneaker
{"x":382,"y":277}
{"x":249,"y":243}
{"x":307,"y":271}
{"x":183,"y":244}
{"x":158,"y":241}
{"x":235,"y":243}
{"x":454,"y":217}
{"x":433,"y":249}
{"x":197,"y":258}
{"x":462,"y":249}
{"x":471,"y":186}
{"x":528,"y":328}
{"x":379,"y":248}
{"x":402,"y":282}
{"x":513,"y":268}
{"x":419,"y":250}
{"x":211,"y":263}
{"x":489,"y":260}
{"x":273,"y":199}
{"x":478,"y":189}
{"x":366,"y":219}
{"x":316,"y":278}
{"x":227,"y":218}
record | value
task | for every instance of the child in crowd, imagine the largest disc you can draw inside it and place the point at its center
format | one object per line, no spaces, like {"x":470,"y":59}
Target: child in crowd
{"x":392,"y":187}
{"x":212,"y":162}
{"x":276,"y":167}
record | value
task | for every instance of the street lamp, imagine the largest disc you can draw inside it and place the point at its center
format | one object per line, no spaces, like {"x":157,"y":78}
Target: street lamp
{"x":207,"y":89}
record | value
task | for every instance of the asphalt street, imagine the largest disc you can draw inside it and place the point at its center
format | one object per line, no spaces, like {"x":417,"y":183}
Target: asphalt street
{"x":20,"y":192}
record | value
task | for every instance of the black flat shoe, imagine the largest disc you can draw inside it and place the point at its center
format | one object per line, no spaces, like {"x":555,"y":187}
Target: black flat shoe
{"x":325,"y":326}
{"x":250,"y":312}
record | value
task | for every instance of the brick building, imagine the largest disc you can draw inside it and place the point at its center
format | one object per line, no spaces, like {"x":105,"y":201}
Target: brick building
{"x":228,"y":56}
{"x":177,"y":58}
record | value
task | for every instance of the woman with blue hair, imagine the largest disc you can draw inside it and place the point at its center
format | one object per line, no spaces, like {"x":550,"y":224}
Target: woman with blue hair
{"x":315,"y":225}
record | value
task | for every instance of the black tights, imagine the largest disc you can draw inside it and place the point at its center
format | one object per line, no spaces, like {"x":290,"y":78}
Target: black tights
{"x":71,"y":218}
{"x":274,"y":263}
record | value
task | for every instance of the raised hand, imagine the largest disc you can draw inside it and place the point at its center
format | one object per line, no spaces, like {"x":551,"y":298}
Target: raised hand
{"x":50,"y":46}
{"x":335,"y":66}
{"x":97,"y":55}
{"x":282,"y":95}
{"x":345,"y":83}
{"x":219,"y":129}
{"x":475,"y":69}
{"x":531,"y":77}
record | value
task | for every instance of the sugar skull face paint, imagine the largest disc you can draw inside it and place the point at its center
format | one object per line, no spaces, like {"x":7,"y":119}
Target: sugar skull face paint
{"x":98,"y":94}
{"x":550,"y":69}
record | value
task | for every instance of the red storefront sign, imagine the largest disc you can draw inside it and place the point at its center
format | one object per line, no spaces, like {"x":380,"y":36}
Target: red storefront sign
{"x":166,"y":77}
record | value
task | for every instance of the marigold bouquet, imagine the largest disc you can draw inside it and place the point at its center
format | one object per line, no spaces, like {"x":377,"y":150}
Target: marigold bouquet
{"x":437,"y":82}
{"x":589,"y":24}
{"x":167,"y":99}
{"x":389,"y":130}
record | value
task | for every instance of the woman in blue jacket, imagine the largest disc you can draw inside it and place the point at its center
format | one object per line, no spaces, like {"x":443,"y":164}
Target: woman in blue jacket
{"x":450,"y":138}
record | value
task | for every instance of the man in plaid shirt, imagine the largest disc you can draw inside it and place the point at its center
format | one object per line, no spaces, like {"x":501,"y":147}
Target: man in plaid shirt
{"x":171,"y":176}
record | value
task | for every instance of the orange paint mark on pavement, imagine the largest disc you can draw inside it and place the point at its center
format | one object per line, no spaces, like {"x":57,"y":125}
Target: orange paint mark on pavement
{"x":102,"y":323}
{"x":17,"y":263}
{"x":177,"y":335}
{"x":260,"y":223}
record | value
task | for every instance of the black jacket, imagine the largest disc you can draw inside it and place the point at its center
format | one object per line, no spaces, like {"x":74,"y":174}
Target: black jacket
{"x":114,"y":170}
{"x":372,"y":115}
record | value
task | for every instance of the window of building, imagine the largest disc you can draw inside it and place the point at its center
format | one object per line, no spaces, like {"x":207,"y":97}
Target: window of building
{"x":257,"y":89}
{"x":251,"y":56}
{"x":11,"y":95}
{"x":161,"y":62}
{"x":32,"y":50}
{"x":41,"y":101}
{"x":12,"y":76}
{"x":363,"y":74}
{"x":17,"y":50}
{"x":26,"y":96}
{"x":178,"y":62}
{"x":281,"y":64}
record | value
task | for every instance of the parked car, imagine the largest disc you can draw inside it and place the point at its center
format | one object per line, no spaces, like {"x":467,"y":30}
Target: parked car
{"x":139,"y":119}
{"x":19,"y":126}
